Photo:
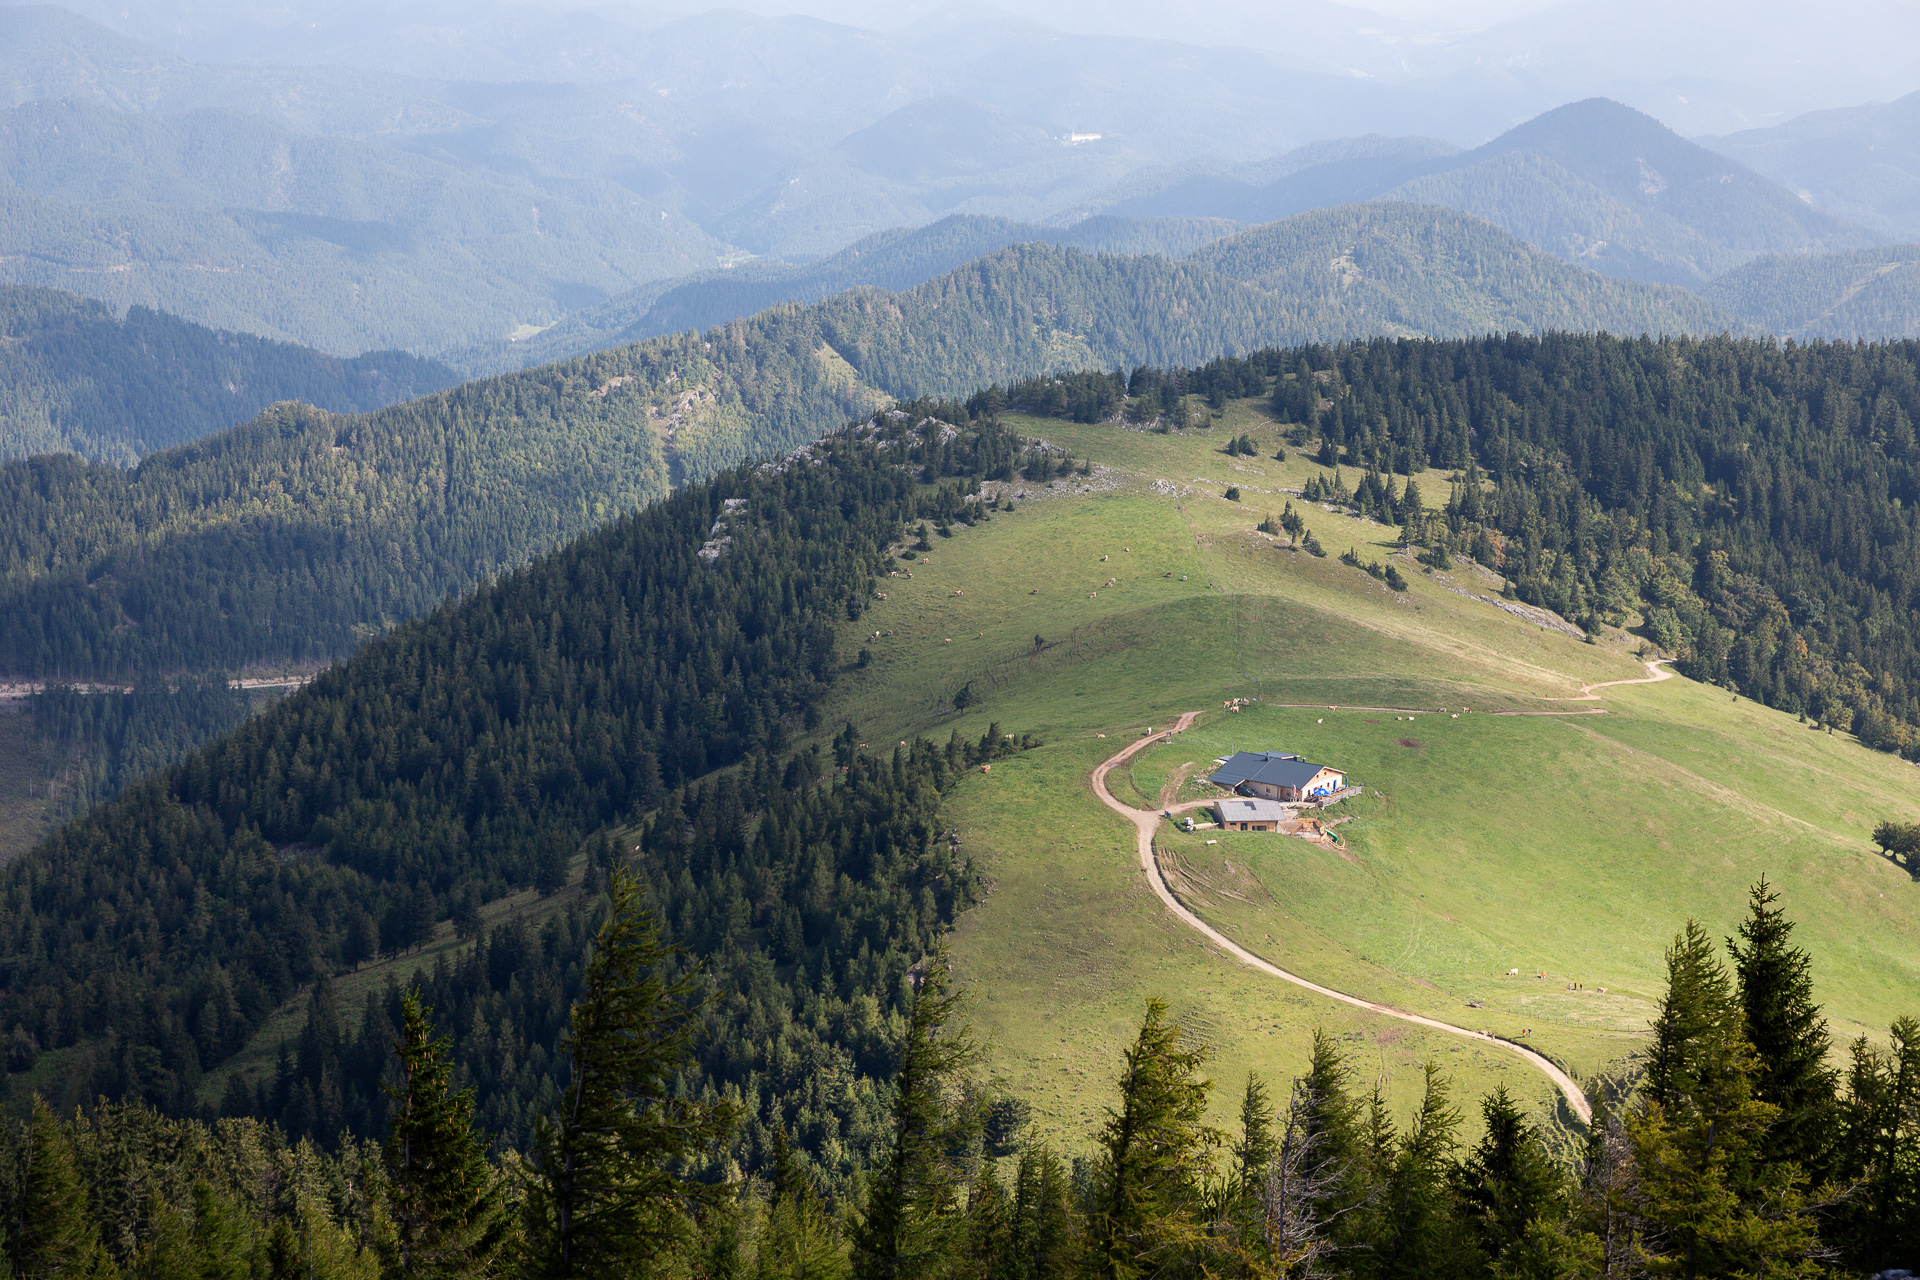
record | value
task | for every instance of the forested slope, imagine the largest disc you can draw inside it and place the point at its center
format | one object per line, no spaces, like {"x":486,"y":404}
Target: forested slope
{"x":1394,"y":269}
{"x":897,"y":259}
{"x":1759,"y":505}
{"x":468,"y":754}
{"x":294,"y":537}
{"x":1867,"y":293}
{"x":75,"y":378}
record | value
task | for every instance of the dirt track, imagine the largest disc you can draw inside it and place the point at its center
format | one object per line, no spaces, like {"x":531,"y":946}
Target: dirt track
{"x":1654,"y":676}
{"x":1144,"y":823}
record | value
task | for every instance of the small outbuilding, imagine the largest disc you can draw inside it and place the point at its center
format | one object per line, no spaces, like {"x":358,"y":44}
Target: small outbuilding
{"x":1275,"y":775}
{"x":1248,"y":815}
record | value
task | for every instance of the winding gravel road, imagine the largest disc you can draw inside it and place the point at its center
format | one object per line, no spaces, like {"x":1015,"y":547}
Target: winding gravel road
{"x":1145,"y":821}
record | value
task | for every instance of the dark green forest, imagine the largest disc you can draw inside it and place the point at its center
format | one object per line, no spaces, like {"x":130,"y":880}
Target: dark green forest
{"x":74,"y":378}
{"x":897,"y":259}
{"x":97,"y":741}
{"x":474,"y":752}
{"x":1754,"y":503}
{"x":1731,"y":1148}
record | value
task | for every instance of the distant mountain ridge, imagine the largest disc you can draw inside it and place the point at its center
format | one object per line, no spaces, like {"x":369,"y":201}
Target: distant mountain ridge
{"x":238,"y":222}
{"x":76,"y":378}
{"x":1479,"y":279}
{"x":896,"y":259}
{"x":1861,"y":163}
{"x":1866,"y":293}
{"x":177,"y":565}
{"x":1591,"y":182}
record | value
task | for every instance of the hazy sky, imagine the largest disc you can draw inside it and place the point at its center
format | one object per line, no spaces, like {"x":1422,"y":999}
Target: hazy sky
{"x":1702,"y":66}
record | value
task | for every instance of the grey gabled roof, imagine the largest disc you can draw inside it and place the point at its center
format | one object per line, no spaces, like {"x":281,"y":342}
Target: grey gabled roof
{"x":1238,"y":810}
{"x":1274,"y":768}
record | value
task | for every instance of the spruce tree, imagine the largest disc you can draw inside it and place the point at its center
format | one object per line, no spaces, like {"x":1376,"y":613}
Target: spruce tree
{"x":1040,"y":1241}
{"x":1879,"y":1150}
{"x":611,"y":1195}
{"x":52,"y":1235}
{"x":1508,"y":1181}
{"x":1416,"y":1237}
{"x":1154,"y":1150}
{"x":800,"y":1239}
{"x":1254,"y":1152}
{"x":1789,"y":1035}
{"x":913,"y":1212}
{"x":447,"y":1213}
{"x":989,"y":1227}
{"x":1697,"y":1013}
{"x":1708,"y":1205}
{"x":1334,"y":1160}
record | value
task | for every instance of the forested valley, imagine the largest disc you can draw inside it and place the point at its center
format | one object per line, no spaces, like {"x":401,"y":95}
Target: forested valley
{"x":293,"y":537}
{"x":76,"y":378}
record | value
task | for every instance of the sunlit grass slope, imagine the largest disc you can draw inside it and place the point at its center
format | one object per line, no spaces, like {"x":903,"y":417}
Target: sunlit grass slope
{"x":1570,"y":845}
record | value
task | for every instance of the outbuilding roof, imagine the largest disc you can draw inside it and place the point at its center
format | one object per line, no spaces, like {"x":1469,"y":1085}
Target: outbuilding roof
{"x":1238,"y":810}
{"x":1274,"y":768}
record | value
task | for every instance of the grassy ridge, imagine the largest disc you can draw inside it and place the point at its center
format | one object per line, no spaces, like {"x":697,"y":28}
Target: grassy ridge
{"x":1571,"y":844}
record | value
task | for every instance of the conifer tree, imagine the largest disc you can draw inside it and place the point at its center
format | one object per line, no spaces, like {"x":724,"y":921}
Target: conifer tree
{"x":52,"y":1234}
{"x":1041,"y":1242}
{"x":913,"y":1212}
{"x":1154,"y":1151}
{"x":611,"y":1195}
{"x":800,"y":1239}
{"x":1880,"y":1151}
{"x":989,"y":1230}
{"x":447,"y":1213}
{"x":1697,"y":1013}
{"x":1254,"y":1152}
{"x":1789,"y":1035}
{"x":1708,"y":1206}
{"x":1336,"y":1165}
{"x":1416,"y":1237}
{"x":219,"y":1235}
{"x":1508,"y":1182}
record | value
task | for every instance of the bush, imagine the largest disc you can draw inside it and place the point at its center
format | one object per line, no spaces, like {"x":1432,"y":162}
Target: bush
{"x":1233,"y":493}
{"x":1395,"y":581}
